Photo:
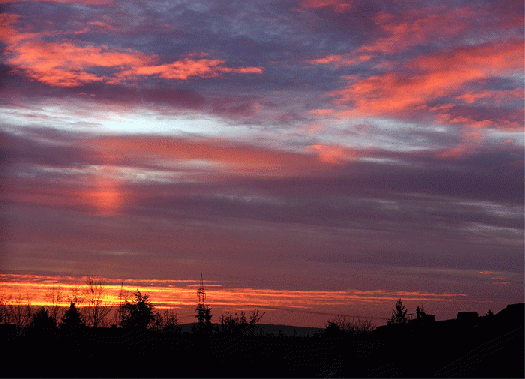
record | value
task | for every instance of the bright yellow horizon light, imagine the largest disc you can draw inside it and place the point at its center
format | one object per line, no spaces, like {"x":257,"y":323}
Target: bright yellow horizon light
{"x":181,"y":295}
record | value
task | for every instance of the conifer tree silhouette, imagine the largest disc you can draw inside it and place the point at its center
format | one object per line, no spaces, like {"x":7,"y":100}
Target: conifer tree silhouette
{"x":72,"y":319}
{"x":41,"y":320}
{"x":399,"y":314}
{"x":139,"y":313}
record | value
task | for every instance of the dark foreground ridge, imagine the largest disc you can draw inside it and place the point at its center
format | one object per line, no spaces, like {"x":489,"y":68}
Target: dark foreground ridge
{"x":482,"y":347}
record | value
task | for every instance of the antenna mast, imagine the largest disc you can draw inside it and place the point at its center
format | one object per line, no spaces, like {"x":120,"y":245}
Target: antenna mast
{"x":203,"y":311}
{"x":201,"y":294}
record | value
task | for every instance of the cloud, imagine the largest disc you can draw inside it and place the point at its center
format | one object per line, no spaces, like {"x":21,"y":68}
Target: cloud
{"x":101,"y":174}
{"x":473,"y":168}
{"x":338,"y":60}
{"x":234,"y":158}
{"x":82,"y":2}
{"x":309,"y":307}
{"x":482,"y":117}
{"x":352,"y":140}
{"x":418,"y":196}
{"x":335,"y":154}
{"x":346,"y":219}
{"x":185,"y":69}
{"x":183,"y":291}
{"x":487,"y":97}
{"x":339,"y":6}
{"x":67,"y":64}
{"x":417,"y":27}
{"x":425,"y":79}
{"x":223,"y":207}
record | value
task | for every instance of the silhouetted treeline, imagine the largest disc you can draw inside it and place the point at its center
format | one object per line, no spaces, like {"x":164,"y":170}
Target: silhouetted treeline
{"x":148,"y":346}
{"x":136,"y":340}
{"x":89,"y":306}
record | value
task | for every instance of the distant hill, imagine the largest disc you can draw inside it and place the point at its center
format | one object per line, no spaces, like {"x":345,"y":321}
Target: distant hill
{"x":271,"y":329}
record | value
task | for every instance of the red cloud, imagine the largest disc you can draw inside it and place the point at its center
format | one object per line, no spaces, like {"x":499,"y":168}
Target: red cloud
{"x":65,"y":64}
{"x":233,"y":158}
{"x":83,"y":2}
{"x":339,"y":6}
{"x":428,"y":78}
{"x":469,"y":145}
{"x":494,"y":58}
{"x":322,"y":112}
{"x":341,"y":60}
{"x":8,"y":34}
{"x":492,"y":96}
{"x":103,"y":184}
{"x":187,"y":68}
{"x":95,"y":189}
{"x":416,"y":27}
{"x":335,"y":154}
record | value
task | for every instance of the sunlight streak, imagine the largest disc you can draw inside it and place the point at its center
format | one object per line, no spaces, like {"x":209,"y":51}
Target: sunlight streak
{"x":181,"y":294}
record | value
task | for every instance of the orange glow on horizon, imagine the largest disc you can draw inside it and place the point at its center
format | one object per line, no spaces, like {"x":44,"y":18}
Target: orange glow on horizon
{"x":181,"y":295}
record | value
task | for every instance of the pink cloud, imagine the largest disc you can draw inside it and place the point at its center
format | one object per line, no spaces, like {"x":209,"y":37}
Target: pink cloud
{"x":106,"y":183}
{"x":101,"y":24}
{"x":83,"y":2}
{"x":491,"y":96}
{"x":322,"y":112}
{"x":97,"y":191}
{"x":478,"y":119}
{"x":341,"y":60}
{"x":339,"y":6}
{"x":469,"y":145}
{"x":66,"y":64}
{"x":187,"y":68}
{"x":233,"y":158}
{"x":336,"y":155}
{"x":417,"y":27}
{"x":428,"y":78}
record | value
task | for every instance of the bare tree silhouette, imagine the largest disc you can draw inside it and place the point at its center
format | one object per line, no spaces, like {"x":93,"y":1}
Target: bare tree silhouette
{"x":20,"y":312}
{"x":166,"y":322}
{"x":239,"y":324}
{"x":97,"y":308}
{"x":76,"y":295}
{"x":353,"y":326}
{"x":54,"y":296}
{"x":123,"y":297}
{"x":5,"y":316}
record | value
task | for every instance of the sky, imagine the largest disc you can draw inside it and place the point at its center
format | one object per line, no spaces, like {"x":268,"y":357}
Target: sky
{"x":327,"y":151}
